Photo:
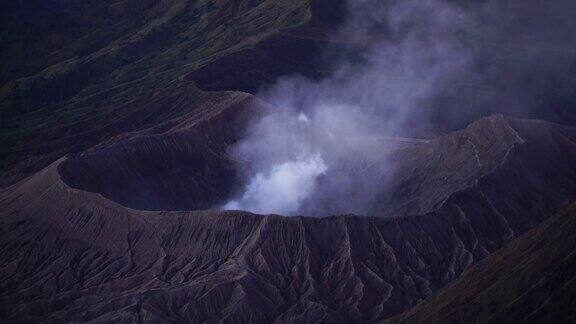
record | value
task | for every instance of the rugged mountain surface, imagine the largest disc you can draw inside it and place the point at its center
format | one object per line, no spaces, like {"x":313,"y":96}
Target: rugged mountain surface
{"x":181,"y":164}
{"x":127,"y":65}
{"x":144,"y":170}
{"x":531,"y":280}
{"x":68,"y":65}
{"x":107,"y":232}
{"x":69,"y":254}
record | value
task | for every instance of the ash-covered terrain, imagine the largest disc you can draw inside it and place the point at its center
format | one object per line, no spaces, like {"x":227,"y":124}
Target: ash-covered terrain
{"x":71,"y":253}
{"x":155,"y":161}
{"x":530,"y":280}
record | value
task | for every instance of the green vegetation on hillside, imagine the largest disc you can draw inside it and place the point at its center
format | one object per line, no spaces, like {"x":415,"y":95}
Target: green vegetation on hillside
{"x":76,"y":72}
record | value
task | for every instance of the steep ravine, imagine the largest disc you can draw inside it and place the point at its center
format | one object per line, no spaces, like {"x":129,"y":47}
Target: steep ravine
{"x":530,"y":280}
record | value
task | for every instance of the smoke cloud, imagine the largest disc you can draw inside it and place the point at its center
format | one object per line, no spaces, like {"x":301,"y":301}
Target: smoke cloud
{"x":283,"y":189}
{"x":417,"y":67}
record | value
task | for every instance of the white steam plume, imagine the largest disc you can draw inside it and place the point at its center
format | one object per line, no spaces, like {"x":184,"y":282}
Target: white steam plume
{"x":282,"y":189}
{"x":325,"y":149}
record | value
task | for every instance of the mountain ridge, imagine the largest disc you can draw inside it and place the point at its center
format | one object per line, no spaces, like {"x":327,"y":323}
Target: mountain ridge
{"x":68,"y":254}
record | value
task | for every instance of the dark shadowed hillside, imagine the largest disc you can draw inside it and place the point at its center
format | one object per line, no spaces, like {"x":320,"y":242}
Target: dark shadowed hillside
{"x":68,"y":65}
{"x":531,"y":280}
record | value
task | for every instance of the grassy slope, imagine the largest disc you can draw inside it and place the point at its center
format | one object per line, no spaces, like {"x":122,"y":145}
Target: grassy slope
{"x":72,"y":68}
